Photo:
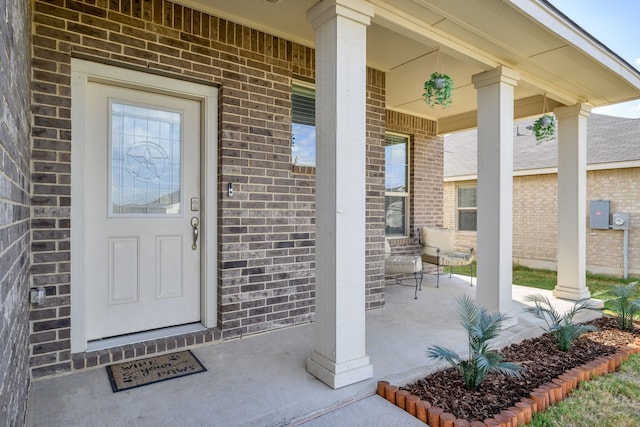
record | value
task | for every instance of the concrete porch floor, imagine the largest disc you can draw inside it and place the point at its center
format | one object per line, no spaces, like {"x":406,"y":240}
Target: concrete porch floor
{"x":262,"y":381}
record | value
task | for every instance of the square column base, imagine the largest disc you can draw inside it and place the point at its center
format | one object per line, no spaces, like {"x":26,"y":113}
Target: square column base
{"x":573,"y":294}
{"x":337,"y":375}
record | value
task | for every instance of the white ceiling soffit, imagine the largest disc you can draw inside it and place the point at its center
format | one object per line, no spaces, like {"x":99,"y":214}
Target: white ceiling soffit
{"x":285,"y":18}
{"x":551,"y":53}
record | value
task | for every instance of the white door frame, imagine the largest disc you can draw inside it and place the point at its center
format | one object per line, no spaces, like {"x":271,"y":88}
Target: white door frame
{"x":83,"y":72}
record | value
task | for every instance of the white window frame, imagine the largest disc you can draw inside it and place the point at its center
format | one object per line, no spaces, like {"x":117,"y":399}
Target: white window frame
{"x":466,"y":208}
{"x":406,"y":194}
{"x":294,"y":159}
{"x":82,"y":73}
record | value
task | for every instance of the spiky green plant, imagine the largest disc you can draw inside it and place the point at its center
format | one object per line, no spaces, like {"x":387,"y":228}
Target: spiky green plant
{"x":561,"y":326}
{"x":623,"y":305}
{"x":481,"y":326}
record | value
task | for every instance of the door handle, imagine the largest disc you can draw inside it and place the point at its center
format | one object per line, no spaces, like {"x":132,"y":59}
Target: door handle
{"x":195,"y":222}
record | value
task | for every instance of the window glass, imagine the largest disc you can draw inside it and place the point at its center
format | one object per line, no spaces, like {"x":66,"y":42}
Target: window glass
{"x":303,"y":126}
{"x":395,"y":163}
{"x":467,"y":197}
{"x":396,"y":185}
{"x":395,"y":212}
{"x":145,"y":146}
{"x":467,"y":220}
{"x":467,"y":208}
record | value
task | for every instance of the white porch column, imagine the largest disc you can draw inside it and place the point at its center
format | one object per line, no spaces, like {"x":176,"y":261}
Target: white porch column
{"x":339,"y":357}
{"x":495,"y":187}
{"x":572,"y":202}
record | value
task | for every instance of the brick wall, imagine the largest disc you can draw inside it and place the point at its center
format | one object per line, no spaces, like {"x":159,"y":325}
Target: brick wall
{"x":375,"y":221}
{"x":15,"y":145}
{"x":266,"y":231}
{"x":535,"y":217}
{"x":535,"y":213}
{"x":604,"y":247}
{"x":426,"y":157}
{"x":463,"y":239}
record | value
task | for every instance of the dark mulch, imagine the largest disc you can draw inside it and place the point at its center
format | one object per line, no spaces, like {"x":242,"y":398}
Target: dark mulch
{"x":540,"y":356}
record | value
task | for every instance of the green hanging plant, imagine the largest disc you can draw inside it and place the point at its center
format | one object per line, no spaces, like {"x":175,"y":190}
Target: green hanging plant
{"x":544,"y":128}
{"x":438,"y":90}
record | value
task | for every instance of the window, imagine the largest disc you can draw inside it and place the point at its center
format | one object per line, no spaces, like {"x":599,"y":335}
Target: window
{"x":396,"y":181}
{"x":467,"y":208}
{"x":303,"y":125}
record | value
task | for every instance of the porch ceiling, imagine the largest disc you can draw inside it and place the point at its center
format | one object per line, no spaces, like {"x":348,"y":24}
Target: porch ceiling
{"x":552,"y":54}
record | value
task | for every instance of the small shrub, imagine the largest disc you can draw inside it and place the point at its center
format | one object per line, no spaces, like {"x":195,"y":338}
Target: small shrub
{"x":561,"y":326}
{"x":623,"y":305}
{"x":481,"y":326}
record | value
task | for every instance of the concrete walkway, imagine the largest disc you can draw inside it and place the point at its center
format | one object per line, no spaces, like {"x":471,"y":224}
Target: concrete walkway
{"x":262,"y":381}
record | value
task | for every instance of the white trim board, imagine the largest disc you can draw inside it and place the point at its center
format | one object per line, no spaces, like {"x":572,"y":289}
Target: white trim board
{"x":83,"y":72}
{"x":546,"y":171}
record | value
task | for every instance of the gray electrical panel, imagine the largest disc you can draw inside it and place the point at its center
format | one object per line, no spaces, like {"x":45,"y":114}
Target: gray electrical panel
{"x":599,"y":214}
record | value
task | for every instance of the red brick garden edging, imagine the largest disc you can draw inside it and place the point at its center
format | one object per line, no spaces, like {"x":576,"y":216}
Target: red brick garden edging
{"x":521,"y":413}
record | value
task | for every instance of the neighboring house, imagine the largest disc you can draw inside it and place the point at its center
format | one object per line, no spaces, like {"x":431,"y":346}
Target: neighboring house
{"x":279,"y":125}
{"x":613,"y":173}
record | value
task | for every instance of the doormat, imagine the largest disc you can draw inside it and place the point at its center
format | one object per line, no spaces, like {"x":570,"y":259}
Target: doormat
{"x":136,"y":373}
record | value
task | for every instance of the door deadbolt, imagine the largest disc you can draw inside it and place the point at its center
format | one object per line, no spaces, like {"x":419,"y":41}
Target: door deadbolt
{"x":195,"y":204}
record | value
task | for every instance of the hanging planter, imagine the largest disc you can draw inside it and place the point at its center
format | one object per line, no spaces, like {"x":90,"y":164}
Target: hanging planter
{"x":439,"y":88}
{"x":544,"y":128}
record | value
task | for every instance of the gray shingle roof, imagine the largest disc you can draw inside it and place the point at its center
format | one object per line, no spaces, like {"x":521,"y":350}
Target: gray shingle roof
{"x":609,"y":139}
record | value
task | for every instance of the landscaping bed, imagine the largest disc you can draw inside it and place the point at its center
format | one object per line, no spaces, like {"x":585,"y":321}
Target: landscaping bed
{"x":543,"y":362}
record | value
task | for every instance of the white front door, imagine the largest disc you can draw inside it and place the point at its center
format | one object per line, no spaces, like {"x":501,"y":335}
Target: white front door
{"x":142,"y":210}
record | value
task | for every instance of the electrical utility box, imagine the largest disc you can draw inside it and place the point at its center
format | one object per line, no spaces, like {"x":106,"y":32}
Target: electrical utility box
{"x":620,"y":221}
{"x":599,"y":211}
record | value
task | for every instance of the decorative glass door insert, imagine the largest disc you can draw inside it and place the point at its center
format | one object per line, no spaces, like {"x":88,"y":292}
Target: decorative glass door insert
{"x":146,"y":160}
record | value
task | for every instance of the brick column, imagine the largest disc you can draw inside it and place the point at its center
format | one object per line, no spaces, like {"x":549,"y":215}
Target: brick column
{"x":495,"y":186}
{"x":339,"y":357}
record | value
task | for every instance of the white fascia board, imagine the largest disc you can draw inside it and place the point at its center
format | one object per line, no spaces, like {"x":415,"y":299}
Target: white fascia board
{"x":541,"y":171}
{"x":461,"y":178}
{"x":579,"y":38}
{"x":614,"y":165}
{"x":546,"y":171}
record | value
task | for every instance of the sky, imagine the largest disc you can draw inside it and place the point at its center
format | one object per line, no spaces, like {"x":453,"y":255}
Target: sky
{"x":616,"y":24}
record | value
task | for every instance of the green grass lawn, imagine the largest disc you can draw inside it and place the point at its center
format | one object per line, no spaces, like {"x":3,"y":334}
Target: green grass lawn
{"x":609,"y":401}
{"x":598,"y":284}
